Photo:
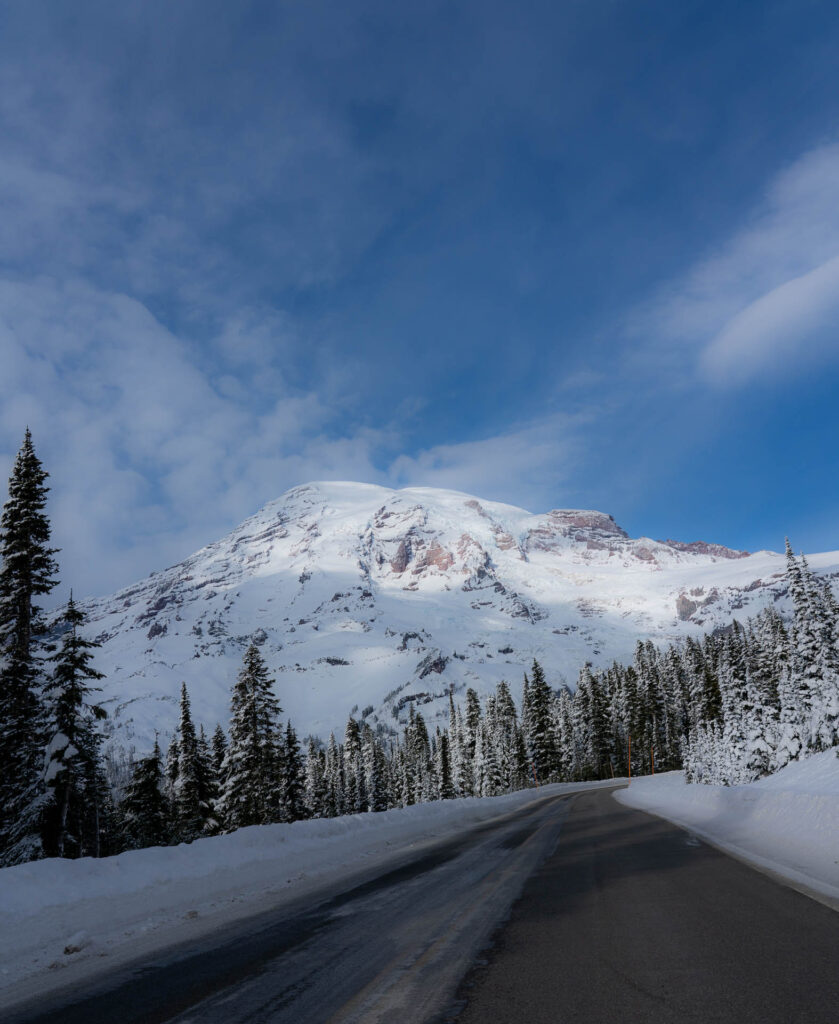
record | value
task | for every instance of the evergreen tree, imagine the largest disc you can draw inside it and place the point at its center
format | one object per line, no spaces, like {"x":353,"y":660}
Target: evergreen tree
{"x":462,"y":763}
{"x":566,"y":745}
{"x":209,"y":786}
{"x":492,"y":783}
{"x":315,"y":782}
{"x":190,"y":810}
{"x":376,"y":776}
{"x":354,"y":787}
{"x":444,"y":771}
{"x":252,"y":786}
{"x":520,"y":777}
{"x":27,"y":572}
{"x":171,"y":769}
{"x":541,"y":737}
{"x":144,"y":808}
{"x":218,"y":754}
{"x":333,"y":778}
{"x":471,"y":721}
{"x":294,"y":778}
{"x":73,"y":771}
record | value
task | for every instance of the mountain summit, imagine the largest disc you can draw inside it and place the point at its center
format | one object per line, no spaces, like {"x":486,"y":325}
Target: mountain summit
{"x":367,"y":598}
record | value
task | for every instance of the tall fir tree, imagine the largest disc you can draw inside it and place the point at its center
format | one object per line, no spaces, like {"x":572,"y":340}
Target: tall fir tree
{"x":190,"y":810}
{"x":28,"y":571}
{"x":252,"y":784}
{"x":541,"y":735}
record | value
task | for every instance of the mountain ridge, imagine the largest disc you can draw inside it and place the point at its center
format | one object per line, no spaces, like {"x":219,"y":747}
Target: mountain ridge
{"x":368,"y":597}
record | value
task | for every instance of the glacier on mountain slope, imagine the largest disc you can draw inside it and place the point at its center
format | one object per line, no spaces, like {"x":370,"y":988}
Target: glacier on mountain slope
{"x":367,"y":598}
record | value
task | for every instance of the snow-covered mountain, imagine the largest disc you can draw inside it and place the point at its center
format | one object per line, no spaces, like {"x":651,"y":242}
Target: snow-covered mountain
{"x":367,"y":598}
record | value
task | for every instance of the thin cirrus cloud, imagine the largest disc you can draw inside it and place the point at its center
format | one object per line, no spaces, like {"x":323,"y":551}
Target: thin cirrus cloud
{"x":767,"y":302}
{"x":796,"y":323}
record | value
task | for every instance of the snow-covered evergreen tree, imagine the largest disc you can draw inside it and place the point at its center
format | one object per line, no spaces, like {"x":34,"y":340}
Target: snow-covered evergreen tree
{"x":540,"y":733}
{"x":190,"y":804}
{"x":252,"y":785}
{"x":292,"y":794}
{"x":144,"y":809}
{"x":27,"y":572}
{"x":333,"y":778}
{"x":354,"y":787}
{"x":375,"y":772}
{"x":445,"y":790}
{"x":315,"y":794}
{"x":73,"y":772}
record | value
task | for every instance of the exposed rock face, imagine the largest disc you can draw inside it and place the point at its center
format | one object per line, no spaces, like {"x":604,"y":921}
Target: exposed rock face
{"x":360,"y":595}
{"x":592,"y":523}
{"x":400,"y":561}
{"x":700,"y":547}
{"x":686,"y":609}
{"x":435,"y":557}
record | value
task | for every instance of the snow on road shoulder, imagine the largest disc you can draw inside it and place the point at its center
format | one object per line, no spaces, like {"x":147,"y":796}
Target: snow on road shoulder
{"x":787,"y":823}
{"x":56,"y":913}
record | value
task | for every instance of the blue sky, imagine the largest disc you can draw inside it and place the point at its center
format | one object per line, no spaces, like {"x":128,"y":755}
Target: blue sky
{"x":557,"y":254}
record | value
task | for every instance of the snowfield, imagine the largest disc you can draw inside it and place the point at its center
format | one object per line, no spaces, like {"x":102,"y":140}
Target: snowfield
{"x":787,"y":823}
{"x":60,"y":919}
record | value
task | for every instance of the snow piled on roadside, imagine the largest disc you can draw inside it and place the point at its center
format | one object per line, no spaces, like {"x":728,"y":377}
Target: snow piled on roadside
{"x":117,"y":901}
{"x":787,"y":823}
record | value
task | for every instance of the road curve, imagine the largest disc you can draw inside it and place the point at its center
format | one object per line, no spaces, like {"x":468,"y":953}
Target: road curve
{"x":577,"y":909}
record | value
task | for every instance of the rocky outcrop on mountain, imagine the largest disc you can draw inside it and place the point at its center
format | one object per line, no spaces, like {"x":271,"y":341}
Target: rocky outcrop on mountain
{"x":701,"y":547}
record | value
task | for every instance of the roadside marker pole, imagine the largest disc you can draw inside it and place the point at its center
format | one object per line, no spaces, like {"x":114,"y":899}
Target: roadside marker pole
{"x":652,"y":759}
{"x":629,"y":759}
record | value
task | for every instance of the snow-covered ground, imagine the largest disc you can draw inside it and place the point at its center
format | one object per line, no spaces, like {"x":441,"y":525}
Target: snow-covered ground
{"x":787,"y":823}
{"x":64,"y":918}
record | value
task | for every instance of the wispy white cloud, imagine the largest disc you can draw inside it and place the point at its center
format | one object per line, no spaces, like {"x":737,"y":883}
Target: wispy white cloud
{"x":149,"y":457}
{"x":767,"y":301}
{"x":790,"y":327}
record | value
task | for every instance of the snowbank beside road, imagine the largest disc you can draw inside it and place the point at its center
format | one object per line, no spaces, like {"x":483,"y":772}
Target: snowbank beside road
{"x":121,"y":906}
{"x":787,"y":823}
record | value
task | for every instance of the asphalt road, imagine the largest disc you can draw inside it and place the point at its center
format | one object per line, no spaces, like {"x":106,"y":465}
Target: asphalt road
{"x":632,"y":919}
{"x":576,"y":910}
